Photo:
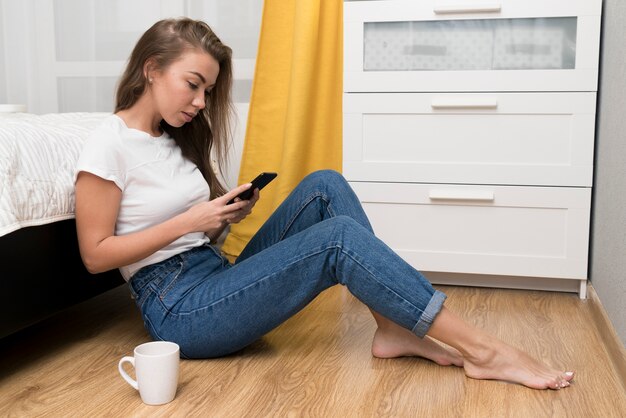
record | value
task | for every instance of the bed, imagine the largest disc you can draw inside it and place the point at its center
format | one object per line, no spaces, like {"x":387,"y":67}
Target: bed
{"x":41,"y":271}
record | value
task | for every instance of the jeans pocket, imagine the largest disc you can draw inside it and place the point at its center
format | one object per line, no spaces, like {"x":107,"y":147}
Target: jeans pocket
{"x":166,"y":284}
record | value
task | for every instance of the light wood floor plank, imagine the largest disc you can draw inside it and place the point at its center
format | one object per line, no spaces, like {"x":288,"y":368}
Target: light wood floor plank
{"x":317,"y":364}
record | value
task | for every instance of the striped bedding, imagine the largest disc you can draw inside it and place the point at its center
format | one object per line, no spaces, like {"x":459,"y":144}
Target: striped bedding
{"x":37,"y":158}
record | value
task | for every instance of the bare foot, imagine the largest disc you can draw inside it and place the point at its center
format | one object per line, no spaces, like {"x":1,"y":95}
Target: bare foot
{"x":486,"y":357}
{"x":399,"y":342}
{"x":500,"y":361}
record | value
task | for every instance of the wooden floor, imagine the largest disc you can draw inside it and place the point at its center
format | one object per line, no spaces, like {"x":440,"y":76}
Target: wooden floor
{"x":318,"y":364}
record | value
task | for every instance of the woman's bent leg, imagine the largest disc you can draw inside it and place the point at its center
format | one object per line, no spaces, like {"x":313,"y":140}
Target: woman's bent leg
{"x":322,"y":195}
{"x":232,"y":308}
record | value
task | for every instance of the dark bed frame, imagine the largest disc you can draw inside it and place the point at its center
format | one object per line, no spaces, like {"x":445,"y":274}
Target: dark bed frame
{"x":42,"y":273}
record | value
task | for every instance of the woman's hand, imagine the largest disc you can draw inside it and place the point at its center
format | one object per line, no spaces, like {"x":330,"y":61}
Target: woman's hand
{"x":245,"y":210}
{"x":213,"y":216}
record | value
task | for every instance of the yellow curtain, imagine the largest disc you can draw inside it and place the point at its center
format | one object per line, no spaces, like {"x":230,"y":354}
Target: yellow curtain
{"x":295,"y":119}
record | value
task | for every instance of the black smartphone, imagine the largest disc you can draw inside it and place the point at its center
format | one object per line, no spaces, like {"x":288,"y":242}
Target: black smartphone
{"x":259,"y":182}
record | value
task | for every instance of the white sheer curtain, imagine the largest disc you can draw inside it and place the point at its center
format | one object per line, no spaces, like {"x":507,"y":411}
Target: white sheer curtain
{"x":3,"y":87}
{"x":66,"y":55}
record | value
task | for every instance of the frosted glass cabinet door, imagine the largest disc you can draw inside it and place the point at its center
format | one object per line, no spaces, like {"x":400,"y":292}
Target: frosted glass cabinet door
{"x":399,"y":45}
{"x":465,"y":45}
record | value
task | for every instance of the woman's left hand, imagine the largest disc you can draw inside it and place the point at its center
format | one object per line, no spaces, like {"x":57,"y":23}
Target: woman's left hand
{"x":245,"y":210}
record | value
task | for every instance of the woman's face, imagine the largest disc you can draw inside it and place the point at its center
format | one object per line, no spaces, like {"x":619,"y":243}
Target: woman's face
{"x":180,"y":91}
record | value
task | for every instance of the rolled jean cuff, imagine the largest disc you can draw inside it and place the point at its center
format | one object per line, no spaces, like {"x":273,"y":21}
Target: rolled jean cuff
{"x":428,"y":316}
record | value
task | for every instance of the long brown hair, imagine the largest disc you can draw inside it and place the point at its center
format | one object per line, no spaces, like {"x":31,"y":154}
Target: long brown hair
{"x":207,"y":136}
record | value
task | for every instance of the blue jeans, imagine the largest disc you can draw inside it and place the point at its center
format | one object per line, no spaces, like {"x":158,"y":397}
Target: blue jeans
{"x":317,"y":238}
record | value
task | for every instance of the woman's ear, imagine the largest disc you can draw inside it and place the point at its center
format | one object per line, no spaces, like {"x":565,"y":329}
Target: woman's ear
{"x":148,"y":70}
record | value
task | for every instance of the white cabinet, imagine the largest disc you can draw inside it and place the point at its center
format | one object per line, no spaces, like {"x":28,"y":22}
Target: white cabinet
{"x":496,"y":138}
{"x":469,"y":135}
{"x":519,"y":231}
{"x":509,"y":45}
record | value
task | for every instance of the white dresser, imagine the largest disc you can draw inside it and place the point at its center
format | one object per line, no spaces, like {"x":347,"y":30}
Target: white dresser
{"x":469,"y":135}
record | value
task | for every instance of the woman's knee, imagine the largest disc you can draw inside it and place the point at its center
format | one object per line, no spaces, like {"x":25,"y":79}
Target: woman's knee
{"x":326,"y":175}
{"x":326,"y":179}
{"x":343,"y":224}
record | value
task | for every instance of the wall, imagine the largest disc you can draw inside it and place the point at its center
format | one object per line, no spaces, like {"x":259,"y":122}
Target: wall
{"x":608,"y":237}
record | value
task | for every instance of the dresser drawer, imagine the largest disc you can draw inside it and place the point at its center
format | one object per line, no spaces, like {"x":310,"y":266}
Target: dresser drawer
{"x":495,"y":230}
{"x":437,"y":45}
{"x":541,"y":139}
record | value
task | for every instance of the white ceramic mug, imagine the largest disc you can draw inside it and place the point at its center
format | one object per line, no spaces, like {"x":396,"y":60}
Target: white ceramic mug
{"x":156,"y":368}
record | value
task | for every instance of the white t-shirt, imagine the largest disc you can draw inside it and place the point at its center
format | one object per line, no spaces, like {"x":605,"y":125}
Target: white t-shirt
{"x":156,"y":181}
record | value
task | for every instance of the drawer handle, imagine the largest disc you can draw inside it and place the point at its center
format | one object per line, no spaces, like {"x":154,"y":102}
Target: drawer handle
{"x":476,"y":8}
{"x":464,"y":103}
{"x":479,"y":195}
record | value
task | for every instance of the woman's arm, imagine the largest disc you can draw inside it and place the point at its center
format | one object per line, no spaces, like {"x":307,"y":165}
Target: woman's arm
{"x":97,"y":208}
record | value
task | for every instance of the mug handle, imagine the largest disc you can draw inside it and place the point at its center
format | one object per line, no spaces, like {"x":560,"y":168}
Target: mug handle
{"x":125,"y":375}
